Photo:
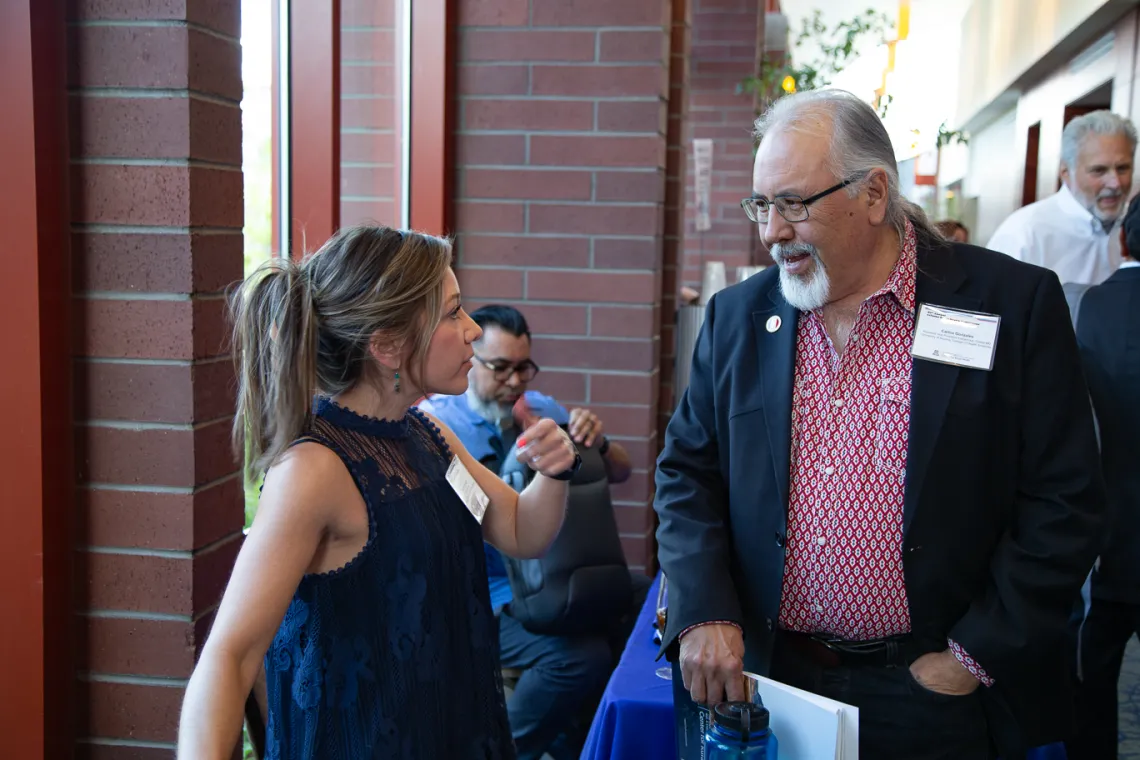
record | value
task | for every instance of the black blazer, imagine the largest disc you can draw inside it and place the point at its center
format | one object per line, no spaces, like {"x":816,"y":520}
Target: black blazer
{"x":1003,"y":494}
{"x":1108,"y":332}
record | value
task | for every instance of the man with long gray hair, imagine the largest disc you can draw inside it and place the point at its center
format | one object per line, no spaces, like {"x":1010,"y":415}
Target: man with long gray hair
{"x":882,"y":477}
{"x":1072,"y":231}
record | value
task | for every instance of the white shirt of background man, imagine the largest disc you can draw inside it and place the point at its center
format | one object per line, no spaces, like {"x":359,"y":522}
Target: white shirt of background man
{"x":1059,"y":233}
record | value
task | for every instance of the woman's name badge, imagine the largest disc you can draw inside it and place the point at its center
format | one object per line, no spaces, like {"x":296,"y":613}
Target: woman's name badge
{"x":469,"y":491}
{"x":951,"y":336}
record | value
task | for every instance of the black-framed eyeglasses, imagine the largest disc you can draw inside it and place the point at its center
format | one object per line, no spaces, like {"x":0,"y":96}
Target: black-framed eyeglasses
{"x":792,"y":207}
{"x":503,"y":369}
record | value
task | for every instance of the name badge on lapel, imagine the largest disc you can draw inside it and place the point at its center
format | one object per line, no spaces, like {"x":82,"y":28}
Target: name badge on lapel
{"x":469,"y":491}
{"x":951,"y":336}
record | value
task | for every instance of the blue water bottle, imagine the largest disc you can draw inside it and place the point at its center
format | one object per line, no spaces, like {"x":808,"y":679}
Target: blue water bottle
{"x":739,"y":730}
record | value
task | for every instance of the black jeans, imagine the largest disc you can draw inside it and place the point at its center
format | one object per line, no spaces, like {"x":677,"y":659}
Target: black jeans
{"x":561,"y":676}
{"x":898,"y":718}
{"x":1103,"y":638}
{"x":562,"y":679}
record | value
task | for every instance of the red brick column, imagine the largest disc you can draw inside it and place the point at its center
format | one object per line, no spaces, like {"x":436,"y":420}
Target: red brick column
{"x":370,"y":155}
{"x":157,"y":215}
{"x":560,"y":185}
{"x":675,"y":200}
{"x":727,"y":35}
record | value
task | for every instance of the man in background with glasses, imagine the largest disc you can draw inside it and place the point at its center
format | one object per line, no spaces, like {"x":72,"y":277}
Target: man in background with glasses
{"x":561,"y":674}
{"x":489,"y":417}
{"x":881,"y":484}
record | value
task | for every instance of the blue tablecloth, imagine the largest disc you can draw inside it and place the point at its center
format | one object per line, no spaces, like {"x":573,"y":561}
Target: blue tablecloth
{"x":635,"y":718}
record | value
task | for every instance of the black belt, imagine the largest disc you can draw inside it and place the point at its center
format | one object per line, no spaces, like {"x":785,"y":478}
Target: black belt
{"x":832,"y":653}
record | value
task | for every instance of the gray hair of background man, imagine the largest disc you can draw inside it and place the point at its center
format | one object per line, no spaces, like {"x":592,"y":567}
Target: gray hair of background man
{"x":859,"y":143}
{"x":1095,"y":122}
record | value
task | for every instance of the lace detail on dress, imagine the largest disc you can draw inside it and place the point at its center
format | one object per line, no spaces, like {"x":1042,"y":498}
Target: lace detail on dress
{"x":344,"y":417}
{"x":431,"y":434}
{"x":393,"y":471}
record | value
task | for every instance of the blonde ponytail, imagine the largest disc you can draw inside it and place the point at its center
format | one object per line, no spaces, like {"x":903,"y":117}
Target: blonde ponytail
{"x":275,"y":345}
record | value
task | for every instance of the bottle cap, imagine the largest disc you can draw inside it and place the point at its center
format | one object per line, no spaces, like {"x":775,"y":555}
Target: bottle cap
{"x":744,"y":718}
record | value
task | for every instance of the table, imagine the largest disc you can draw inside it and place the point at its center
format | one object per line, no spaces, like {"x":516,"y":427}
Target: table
{"x":635,"y":718}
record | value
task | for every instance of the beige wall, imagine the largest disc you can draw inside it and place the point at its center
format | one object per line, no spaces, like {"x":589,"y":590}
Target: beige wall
{"x":992,"y":177}
{"x":1002,"y":39}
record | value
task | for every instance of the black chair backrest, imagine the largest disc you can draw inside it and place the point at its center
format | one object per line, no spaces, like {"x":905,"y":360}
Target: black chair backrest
{"x":582,"y":584}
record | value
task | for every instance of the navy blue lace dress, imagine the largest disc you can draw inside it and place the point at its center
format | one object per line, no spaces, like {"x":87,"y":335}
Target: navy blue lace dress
{"x":394,"y":655}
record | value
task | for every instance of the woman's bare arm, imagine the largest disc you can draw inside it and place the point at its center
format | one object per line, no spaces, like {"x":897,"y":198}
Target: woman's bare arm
{"x":298,"y":504}
{"x":523,"y":525}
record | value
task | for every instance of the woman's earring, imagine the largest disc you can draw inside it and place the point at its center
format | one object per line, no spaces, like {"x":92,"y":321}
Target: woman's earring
{"x":397,"y":381}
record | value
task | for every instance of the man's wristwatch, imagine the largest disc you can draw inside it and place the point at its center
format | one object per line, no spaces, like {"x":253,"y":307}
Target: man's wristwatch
{"x":571,"y":472}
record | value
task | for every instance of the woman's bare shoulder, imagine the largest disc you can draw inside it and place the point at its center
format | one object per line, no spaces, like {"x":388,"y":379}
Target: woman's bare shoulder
{"x":309,"y":479}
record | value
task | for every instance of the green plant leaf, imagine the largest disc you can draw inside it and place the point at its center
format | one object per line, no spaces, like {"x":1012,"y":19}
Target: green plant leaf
{"x":838,"y":46}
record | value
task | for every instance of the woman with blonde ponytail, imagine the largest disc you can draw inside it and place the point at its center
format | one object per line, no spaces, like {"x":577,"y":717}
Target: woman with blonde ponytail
{"x":361,"y":589}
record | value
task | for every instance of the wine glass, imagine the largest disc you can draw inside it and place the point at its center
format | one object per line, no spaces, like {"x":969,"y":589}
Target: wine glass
{"x":663,"y":613}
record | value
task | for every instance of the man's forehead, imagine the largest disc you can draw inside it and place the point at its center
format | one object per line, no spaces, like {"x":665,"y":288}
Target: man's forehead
{"x":1097,"y":146}
{"x":785,"y":161}
{"x":502,"y":344}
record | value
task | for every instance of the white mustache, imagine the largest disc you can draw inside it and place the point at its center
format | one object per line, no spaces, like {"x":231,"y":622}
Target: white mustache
{"x":780,"y":251}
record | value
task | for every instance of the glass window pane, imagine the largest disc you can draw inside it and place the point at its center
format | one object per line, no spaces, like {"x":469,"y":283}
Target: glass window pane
{"x":257,"y":120}
{"x":257,"y":129}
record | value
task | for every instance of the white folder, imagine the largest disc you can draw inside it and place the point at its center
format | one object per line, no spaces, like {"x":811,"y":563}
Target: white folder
{"x":807,"y":726}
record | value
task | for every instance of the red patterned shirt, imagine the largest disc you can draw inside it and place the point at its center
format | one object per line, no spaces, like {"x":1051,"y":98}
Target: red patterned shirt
{"x":843,"y":572}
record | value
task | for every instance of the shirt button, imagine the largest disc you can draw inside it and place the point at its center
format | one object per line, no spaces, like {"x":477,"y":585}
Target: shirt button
{"x":828,"y":470}
{"x":821,"y":540}
{"x":837,"y":402}
{"x":819,"y":608}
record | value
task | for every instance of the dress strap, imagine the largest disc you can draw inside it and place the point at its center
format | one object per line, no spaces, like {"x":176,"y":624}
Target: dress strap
{"x":434,"y":434}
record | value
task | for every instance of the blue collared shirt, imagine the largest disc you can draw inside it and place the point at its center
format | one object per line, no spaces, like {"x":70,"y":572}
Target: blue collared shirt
{"x":485,"y":442}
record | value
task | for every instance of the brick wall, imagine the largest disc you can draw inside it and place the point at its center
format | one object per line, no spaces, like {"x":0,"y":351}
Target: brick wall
{"x":561,"y":154}
{"x":725,"y":36}
{"x":156,"y":235}
{"x":370,"y":157}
